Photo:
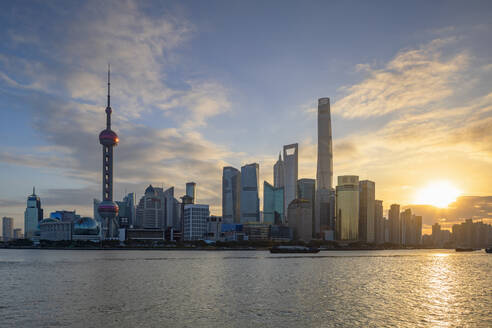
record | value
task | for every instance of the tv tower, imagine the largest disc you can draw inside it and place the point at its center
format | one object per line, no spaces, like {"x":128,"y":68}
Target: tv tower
{"x":107,"y":208}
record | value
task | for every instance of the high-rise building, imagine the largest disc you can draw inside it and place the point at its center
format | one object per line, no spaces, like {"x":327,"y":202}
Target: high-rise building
{"x":273,"y":204}
{"x":291,"y":163}
{"x":195,"y":221}
{"x":367,"y":198}
{"x":191,"y":191}
{"x":418,"y":229}
{"x":347,"y":205}
{"x":151,"y":210}
{"x":278,"y":173}
{"x":406,"y":227}
{"x":378,"y":222}
{"x":33,"y":214}
{"x":127,"y":211}
{"x":306,"y":189}
{"x":325,"y":194}
{"x":300,"y":219}
{"x":250,"y":202}
{"x":231,"y":191}
{"x":7,"y":228}
{"x":394,"y":224}
{"x":108,"y":210}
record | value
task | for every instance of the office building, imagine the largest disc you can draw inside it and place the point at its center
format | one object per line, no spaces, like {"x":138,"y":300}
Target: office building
{"x":127,"y":211}
{"x":151,"y":210}
{"x":64,"y":216}
{"x":108,"y":210}
{"x":306,"y":189}
{"x":250,"y":202}
{"x":325,"y":194}
{"x":278,"y":173}
{"x":379,"y":235}
{"x":347,"y":205}
{"x":55,"y":230}
{"x":191,"y":191}
{"x":300,"y":219}
{"x":367,"y":198}
{"x":394,"y":224}
{"x":7,"y":228}
{"x":255,"y":231}
{"x":291,"y":163}
{"x":214,"y":224}
{"x":472,"y":234}
{"x":405,"y":227}
{"x":231,"y":191}
{"x":273,"y":204}
{"x":33,"y":215}
{"x":195,"y":221}
{"x":18,"y":233}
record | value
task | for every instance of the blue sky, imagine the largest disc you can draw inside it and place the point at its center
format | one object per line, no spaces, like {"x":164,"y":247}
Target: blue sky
{"x":197,"y":85}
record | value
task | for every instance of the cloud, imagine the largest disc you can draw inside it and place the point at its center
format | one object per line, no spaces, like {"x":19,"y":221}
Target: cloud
{"x":413,"y":79}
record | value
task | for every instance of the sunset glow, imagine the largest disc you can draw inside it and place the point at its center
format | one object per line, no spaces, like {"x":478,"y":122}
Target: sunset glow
{"x":437,"y":193}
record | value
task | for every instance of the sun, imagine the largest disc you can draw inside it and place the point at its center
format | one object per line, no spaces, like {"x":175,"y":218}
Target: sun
{"x":437,"y":193}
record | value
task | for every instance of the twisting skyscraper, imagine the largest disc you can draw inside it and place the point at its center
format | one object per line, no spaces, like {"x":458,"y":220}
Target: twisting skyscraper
{"x":325,"y":194}
{"x":107,"y":208}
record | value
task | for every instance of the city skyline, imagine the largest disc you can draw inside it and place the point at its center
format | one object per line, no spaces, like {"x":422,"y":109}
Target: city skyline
{"x":182,"y":122}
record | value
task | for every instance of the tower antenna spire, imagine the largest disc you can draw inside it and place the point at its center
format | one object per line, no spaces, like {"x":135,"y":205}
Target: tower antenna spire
{"x":109,"y":82}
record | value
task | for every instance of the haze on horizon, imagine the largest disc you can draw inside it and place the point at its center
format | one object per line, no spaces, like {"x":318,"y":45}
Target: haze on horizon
{"x":200,"y":85}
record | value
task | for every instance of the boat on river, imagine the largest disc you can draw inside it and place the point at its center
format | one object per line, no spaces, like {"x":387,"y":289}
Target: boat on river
{"x":464,"y":249}
{"x":293,"y":249}
{"x":488,"y":250}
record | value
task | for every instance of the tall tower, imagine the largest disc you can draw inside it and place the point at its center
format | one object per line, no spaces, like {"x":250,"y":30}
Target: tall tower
{"x":278,"y":173}
{"x":325,"y":194}
{"x":291,"y":163}
{"x":107,"y":208}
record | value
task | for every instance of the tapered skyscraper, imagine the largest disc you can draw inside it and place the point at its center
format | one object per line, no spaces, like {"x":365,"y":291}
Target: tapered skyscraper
{"x":325,"y":194}
{"x":107,"y":208}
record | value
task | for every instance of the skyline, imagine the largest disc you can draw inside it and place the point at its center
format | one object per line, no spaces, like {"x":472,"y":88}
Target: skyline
{"x":54,"y":100}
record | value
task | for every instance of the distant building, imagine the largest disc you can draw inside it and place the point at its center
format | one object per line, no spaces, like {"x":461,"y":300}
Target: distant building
{"x":394,"y":224}
{"x":379,"y":234}
{"x":256,"y":231}
{"x":273,"y":204}
{"x":127,"y":211}
{"x":157,"y":209}
{"x":250,"y":202}
{"x":55,"y":230}
{"x":64,"y":216}
{"x":291,"y":163}
{"x":472,"y":234}
{"x":405,"y":227}
{"x":367,"y":198}
{"x":195,"y":218}
{"x":278,"y":173}
{"x":231,"y":191}
{"x":33,"y":214}
{"x":281,"y":233}
{"x":213,"y":228}
{"x":231,"y":232}
{"x":191,"y":191}
{"x":347,"y":205}
{"x":306,"y":189}
{"x":18,"y":233}
{"x":300,"y":219}
{"x":7,"y":228}
{"x":439,"y":237}
{"x":325,"y":194}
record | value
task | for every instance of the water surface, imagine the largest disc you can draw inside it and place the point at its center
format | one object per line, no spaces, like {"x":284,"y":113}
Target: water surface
{"x":75,"y":288}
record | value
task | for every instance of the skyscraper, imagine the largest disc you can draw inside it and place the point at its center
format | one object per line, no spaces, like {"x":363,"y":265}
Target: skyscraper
{"x":32,"y":215}
{"x":367,"y":199}
{"x":291,"y":163}
{"x":273,"y":204}
{"x":300,"y":218}
{"x":107,"y":208}
{"x":231,"y":190}
{"x":191,"y":191}
{"x":278,"y":173}
{"x":394,"y":224}
{"x":195,"y":221}
{"x":7,"y":228}
{"x":347,"y":205}
{"x":306,"y":189}
{"x":250,"y":202}
{"x":378,"y":222}
{"x":325,"y":196}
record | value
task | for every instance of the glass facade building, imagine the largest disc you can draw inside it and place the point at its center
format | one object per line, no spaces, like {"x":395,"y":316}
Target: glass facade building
{"x":231,"y":190}
{"x":306,"y":189}
{"x":273,"y":204}
{"x":367,"y":200}
{"x":347,"y":205}
{"x":33,"y":215}
{"x":291,"y":162}
{"x":250,"y":202}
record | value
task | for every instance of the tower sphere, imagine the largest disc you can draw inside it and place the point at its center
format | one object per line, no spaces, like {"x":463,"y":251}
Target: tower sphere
{"x":108,"y":209}
{"x":108,"y":138}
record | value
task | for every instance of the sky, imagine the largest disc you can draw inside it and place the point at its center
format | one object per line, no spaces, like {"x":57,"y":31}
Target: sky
{"x":198,"y":85}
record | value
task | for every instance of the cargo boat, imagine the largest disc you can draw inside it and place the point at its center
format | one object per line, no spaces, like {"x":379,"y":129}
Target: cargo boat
{"x":462,"y":249}
{"x":488,"y":250}
{"x":293,"y":249}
